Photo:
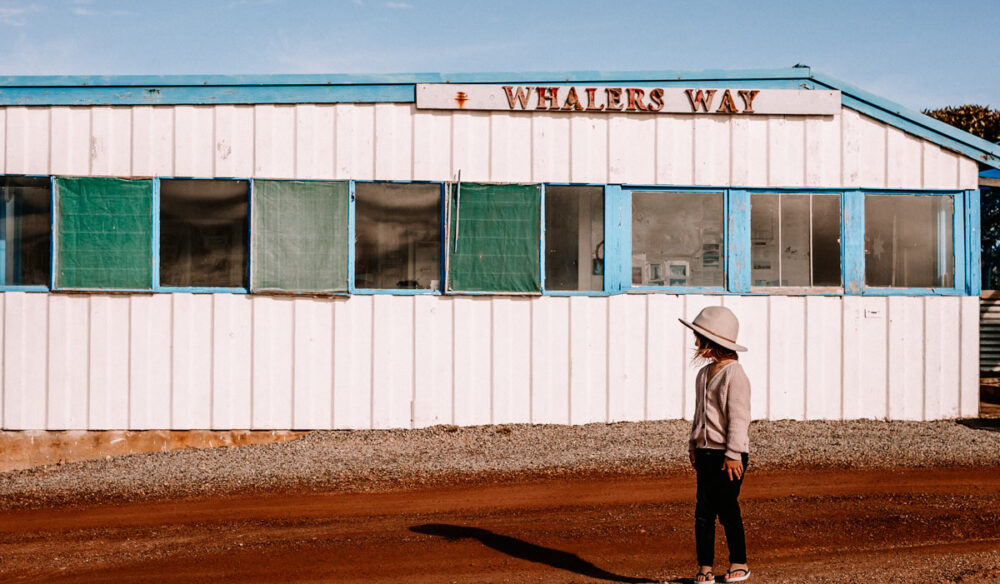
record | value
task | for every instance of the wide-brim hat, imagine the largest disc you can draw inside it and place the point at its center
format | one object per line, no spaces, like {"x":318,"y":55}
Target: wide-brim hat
{"x":717,"y":324}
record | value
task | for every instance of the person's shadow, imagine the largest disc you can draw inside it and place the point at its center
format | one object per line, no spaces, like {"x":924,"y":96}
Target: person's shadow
{"x":524,"y":550}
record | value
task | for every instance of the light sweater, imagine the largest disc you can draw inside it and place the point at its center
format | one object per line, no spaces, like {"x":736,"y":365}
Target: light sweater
{"x":722,"y":410}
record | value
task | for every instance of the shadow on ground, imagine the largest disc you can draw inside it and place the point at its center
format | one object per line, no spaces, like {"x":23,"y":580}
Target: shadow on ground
{"x":526,"y":551}
{"x":989,"y":424}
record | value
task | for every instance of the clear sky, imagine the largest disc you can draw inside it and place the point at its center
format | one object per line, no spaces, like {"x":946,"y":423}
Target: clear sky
{"x":919,"y":53}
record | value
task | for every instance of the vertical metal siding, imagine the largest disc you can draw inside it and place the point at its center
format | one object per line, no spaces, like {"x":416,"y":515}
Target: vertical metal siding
{"x":397,"y":142}
{"x":232,"y":361}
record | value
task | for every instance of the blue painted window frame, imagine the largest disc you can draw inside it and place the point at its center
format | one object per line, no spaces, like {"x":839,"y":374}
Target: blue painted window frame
{"x":608,"y":209}
{"x":964,"y":247}
{"x":747,"y":281}
{"x":157,"y":287}
{"x":625,"y":240}
{"x":4,"y":287}
{"x":353,"y":240}
{"x":618,"y":243}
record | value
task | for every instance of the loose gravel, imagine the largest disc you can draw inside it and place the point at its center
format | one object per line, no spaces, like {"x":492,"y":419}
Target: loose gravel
{"x":371,"y":460}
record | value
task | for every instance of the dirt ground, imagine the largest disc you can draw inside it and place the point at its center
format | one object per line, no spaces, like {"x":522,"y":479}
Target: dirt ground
{"x":914,"y":525}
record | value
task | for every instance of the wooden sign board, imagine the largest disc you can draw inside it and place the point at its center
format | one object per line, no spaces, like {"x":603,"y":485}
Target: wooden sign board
{"x":607,"y":99}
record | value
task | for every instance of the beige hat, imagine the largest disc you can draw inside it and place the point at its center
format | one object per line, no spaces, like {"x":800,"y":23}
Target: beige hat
{"x":717,"y":324}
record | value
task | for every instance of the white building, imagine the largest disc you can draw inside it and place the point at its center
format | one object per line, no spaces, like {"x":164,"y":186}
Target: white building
{"x":329,"y":268}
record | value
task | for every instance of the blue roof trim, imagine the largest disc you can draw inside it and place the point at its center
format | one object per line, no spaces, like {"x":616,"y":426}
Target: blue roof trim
{"x":916,"y":123}
{"x":400,"y":88}
{"x":394,"y":78}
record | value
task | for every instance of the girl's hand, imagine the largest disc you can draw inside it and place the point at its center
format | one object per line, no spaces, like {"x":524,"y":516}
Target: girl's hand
{"x":733,"y":468}
{"x":691,"y":457}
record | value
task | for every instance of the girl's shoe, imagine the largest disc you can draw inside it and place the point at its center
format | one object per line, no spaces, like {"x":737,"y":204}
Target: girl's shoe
{"x":709,"y":578}
{"x":732,"y":577}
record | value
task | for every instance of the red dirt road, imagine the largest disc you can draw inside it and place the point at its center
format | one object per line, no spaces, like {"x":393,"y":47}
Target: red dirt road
{"x":945,"y":522}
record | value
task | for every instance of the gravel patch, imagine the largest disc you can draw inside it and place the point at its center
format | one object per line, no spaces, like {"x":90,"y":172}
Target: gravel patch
{"x":387,"y":459}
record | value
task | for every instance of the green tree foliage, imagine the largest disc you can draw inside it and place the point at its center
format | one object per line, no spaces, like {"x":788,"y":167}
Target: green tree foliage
{"x":977,"y":120}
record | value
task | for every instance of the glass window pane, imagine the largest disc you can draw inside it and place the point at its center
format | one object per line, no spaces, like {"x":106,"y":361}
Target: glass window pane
{"x":299,"y":238}
{"x":398,"y":230}
{"x":826,"y":267}
{"x":203,"y":233}
{"x":795,"y":239}
{"x":677,"y":239}
{"x":24,"y":231}
{"x":574,"y":238}
{"x":104,"y":233}
{"x":908,"y":241}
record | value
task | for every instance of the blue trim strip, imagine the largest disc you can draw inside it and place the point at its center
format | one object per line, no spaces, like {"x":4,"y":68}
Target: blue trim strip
{"x":913,"y":292}
{"x":852,"y":237}
{"x":201,"y":290}
{"x":397,"y":291}
{"x":23,"y":288}
{"x":974,"y":246}
{"x":737,"y":238}
{"x":156,"y":233}
{"x":55,"y":81}
{"x":960,"y":256}
{"x":352,"y":239}
{"x":682,"y":289}
{"x":52,"y":233}
{"x":206,"y":95}
{"x":250,"y":245}
{"x":541,"y":236}
{"x":617,"y":239}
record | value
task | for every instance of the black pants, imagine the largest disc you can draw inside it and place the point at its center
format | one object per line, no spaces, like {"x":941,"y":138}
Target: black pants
{"x":718,"y":497}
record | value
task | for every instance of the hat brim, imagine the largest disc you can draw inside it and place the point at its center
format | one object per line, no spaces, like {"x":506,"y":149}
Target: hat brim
{"x":713,"y":337}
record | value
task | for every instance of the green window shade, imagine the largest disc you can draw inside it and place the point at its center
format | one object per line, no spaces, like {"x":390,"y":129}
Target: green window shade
{"x":104,"y":233}
{"x":299,"y":236}
{"x":495,"y":238}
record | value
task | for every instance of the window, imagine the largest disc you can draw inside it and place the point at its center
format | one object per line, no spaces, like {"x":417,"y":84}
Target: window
{"x":300,"y":236}
{"x":494,"y":238}
{"x":24,"y":231}
{"x":574,"y":238}
{"x":909,"y":241}
{"x":398,"y":236}
{"x":203,"y":233}
{"x":795,"y":239}
{"x":103,"y":233}
{"x":677,"y":239}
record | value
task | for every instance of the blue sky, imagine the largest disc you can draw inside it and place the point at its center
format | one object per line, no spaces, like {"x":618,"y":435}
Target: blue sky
{"x":919,"y":53}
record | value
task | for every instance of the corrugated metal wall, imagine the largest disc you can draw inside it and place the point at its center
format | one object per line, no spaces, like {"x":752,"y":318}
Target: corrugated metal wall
{"x":235,"y":361}
{"x":397,"y":142}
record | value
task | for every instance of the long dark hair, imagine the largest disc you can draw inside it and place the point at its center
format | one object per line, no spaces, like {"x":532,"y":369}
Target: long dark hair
{"x":707,"y":350}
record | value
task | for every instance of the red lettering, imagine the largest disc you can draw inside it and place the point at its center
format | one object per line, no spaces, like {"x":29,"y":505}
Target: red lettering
{"x":548,"y":95}
{"x":703,"y":99}
{"x":614,"y":98}
{"x":656,"y":100}
{"x":572,"y":101}
{"x":727,"y":106}
{"x":635,"y":100}
{"x":591,"y":98}
{"x":748,"y":96}
{"x":521,"y":96}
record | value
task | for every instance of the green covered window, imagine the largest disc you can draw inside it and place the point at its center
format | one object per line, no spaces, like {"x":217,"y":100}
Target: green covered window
{"x":494,"y":238}
{"x":299,"y":236}
{"x":103,"y":233}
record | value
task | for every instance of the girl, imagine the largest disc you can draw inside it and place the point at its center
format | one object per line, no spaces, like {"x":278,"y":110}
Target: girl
{"x":719,"y":443}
